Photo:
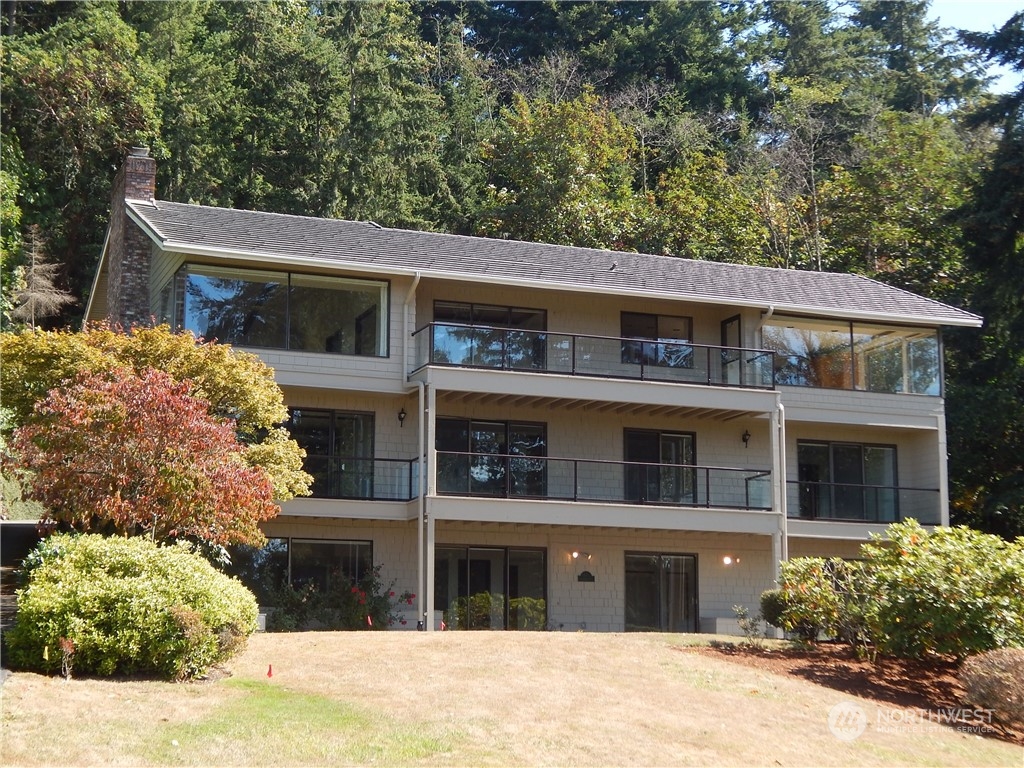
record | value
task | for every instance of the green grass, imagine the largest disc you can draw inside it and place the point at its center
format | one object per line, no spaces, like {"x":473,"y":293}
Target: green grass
{"x":303,"y":729}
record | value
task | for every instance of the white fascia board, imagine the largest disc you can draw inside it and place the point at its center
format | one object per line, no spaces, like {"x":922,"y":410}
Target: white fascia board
{"x":379,"y":270}
{"x":96,"y":277}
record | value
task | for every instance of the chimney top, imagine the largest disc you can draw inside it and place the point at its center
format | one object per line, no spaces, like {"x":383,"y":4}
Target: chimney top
{"x":138,"y":152}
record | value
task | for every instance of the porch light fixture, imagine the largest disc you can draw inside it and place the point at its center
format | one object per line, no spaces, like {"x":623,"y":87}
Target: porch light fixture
{"x":401,"y":417}
{"x":746,"y":438}
{"x":729,"y":560}
{"x":576,"y":555}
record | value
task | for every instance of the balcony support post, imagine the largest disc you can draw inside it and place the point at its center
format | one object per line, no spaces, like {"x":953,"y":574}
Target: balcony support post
{"x":428,"y":615}
{"x":778,"y":448}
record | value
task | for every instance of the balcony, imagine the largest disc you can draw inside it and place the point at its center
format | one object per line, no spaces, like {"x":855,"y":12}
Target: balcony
{"x":839,"y":502}
{"x":363,"y":479}
{"x":612,"y":482}
{"x":470,"y":346}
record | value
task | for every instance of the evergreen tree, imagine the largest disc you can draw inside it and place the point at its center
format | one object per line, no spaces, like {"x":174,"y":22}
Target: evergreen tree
{"x":77,"y":95}
{"x":38,"y":297}
{"x":986,"y":371}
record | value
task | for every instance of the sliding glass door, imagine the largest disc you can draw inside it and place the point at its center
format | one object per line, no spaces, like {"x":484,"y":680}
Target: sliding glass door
{"x":491,"y":587}
{"x":660,"y":469}
{"x":661,"y":592}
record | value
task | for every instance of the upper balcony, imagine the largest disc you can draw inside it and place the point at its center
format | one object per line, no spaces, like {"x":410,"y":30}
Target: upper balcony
{"x":503,"y":349}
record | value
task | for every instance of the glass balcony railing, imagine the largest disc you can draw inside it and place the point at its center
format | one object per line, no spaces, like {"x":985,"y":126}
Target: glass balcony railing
{"x":618,"y":482}
{"x":470,"y":346}
{"x":862,"y":503}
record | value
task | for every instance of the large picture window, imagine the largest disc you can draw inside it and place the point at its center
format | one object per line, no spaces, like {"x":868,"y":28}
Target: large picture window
{"x":323,"y":563}
{"x":490,"y":336}
{"x":491,"y":587}
{"x":842,"y":355}
{"x":282,"y":310}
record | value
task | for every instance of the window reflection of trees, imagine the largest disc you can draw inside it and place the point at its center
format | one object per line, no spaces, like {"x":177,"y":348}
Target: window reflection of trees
{"x":236,"y":311}
{"x":281,"y":311}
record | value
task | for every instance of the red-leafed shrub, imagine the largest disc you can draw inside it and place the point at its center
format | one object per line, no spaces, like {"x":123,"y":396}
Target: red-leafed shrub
{"x":138,"y":453}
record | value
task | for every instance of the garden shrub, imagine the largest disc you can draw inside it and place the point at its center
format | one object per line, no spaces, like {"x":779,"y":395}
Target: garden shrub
{"x":129,"y":607}
{"x":950,"y":591}
{"x":995,"y":680}
{"x":811,"y":605}
{"x":528,"y":613}
{"x":773,"y":603}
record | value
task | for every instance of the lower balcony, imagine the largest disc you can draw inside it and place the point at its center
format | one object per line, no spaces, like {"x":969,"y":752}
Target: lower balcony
{"x":859,"y":503}
{"x":371,"y":479}
{"x":602,"y":482}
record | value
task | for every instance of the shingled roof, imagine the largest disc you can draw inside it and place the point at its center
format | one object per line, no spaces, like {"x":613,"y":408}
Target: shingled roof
{"x":367,"y":247}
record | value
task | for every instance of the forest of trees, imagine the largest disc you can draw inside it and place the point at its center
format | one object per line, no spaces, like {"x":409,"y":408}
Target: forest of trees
{"x":842,"y":136}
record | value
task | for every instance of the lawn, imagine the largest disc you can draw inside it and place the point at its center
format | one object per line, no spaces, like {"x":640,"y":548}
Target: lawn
{"x":451,"y":698}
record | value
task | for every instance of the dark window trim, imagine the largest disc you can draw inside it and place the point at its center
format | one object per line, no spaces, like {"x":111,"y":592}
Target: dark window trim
{"x":696,"y":576}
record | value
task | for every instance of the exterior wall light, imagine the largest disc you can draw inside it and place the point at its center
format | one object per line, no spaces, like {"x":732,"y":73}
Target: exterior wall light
{"x":401,"y":417}
{"x":729,"y":560}
{"x":746,"y":438}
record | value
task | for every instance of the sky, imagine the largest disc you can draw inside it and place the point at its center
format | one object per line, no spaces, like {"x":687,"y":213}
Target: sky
{"x":980,"y":16}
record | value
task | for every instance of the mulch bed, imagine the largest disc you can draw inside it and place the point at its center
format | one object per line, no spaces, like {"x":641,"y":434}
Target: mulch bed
{"x":930,"y":685}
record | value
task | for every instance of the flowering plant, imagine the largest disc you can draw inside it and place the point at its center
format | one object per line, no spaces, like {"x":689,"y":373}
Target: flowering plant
{"x":345,"y":604}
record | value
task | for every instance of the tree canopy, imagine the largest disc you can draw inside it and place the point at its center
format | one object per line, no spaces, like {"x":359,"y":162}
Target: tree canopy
{"x":235,"y":385}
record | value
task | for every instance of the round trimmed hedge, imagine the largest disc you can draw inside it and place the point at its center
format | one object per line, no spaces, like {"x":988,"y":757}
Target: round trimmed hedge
{"x":127,"y":606}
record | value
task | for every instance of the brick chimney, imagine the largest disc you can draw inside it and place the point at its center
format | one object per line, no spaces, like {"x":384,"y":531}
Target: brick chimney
{"x":129,"y":249}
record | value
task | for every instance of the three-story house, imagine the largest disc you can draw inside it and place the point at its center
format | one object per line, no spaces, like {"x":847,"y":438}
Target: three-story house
{"x":534,"y":436}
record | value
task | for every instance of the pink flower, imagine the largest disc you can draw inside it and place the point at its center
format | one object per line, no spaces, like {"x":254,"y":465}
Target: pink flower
{"x":391,"y":593}
{"x":354,"y":590}
{"x":409,"y":601}
{"x":403,"y":622}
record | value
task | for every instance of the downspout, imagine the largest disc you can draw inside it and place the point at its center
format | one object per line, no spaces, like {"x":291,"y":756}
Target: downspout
{"x":420,"y":448}
{"x":767,"y":316}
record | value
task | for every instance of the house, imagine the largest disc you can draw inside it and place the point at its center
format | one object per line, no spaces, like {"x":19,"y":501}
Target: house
{"x":530,"y":436}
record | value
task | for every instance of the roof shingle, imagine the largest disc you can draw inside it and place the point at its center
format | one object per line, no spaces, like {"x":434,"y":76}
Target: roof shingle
{"x":363,"y":245}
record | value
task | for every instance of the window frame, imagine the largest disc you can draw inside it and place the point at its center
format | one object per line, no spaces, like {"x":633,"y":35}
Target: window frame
{"x":650,"y":350}
{"x":332,"y":458}
{"x":507,"y":457}
{"x":291,"y":281}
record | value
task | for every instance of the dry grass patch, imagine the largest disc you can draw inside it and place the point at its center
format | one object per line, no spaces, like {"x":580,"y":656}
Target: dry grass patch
{"x":461,"y":699}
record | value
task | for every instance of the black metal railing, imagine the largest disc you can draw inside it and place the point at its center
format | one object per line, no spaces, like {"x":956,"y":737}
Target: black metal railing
{"x":471,"y":346}
{"x":849,"y":502}
{"x":588,"y":480}
{"x":376,"y":479}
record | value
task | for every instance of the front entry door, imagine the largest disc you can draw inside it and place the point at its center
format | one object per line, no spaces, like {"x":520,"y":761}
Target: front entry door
{"x":661,"y":592}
